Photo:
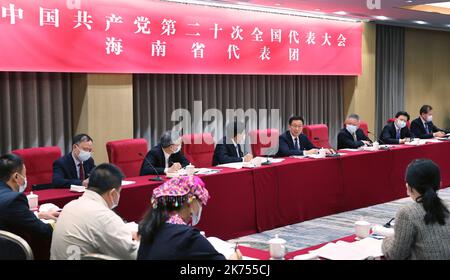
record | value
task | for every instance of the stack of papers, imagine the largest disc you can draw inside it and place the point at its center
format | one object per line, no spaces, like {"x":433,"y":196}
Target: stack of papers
{"x":358,"y":250}
{"x":206,"y":171}
{"x":225,"y":248}
{"x":75,"y":188}
{"x":124,"y":183}
{"x":235,"y":165}
{"x":351,"y":150}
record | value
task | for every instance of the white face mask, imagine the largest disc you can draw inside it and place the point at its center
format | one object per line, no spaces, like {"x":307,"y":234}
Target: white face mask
{"x":430,"y":118}
{"x":401,"y":124}
{"x":83,"y":156}
{"x":351,"y":128}
{"x":115,"y":203}
{"x":23,"y":187}
{"x":196,"y":217}
{"x":177,"y":150}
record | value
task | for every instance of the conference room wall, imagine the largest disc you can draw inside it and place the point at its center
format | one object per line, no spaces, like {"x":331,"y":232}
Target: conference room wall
{"x":359,"y":91}
{"x":102,"y":106}
{"x":427,"y":73}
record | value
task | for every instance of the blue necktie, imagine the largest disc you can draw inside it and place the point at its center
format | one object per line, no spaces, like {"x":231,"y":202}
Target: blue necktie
{"x":296,"y":146}
{"x":398,"y":134}
{"x":426,"y":128}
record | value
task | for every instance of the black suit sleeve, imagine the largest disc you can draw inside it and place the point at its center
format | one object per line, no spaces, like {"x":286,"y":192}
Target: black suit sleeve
{"x":59,"y":179}
{"x":347,"y":142}
{"x":146,"y":169}
{"x":386,"y":136}
{"x":200,"y":248}
{"x":284,"y":151}
{"x":418,"y":130}
{"x":307,"y":144}
{"x":22,"y":219}
{"x":180,"y":158}
{"x":223,"y":156}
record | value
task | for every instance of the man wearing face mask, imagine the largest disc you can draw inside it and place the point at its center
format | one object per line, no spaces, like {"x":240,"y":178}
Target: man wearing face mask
{"x":15,"y":214}
{"x":88,"y":225}
{"x":75,"y":167}
{"x":166,"y":157}
{"x":229,"y":149}
{"x":423,"y":126}
{"x":396,"y":132}
{"x":351,"y":136}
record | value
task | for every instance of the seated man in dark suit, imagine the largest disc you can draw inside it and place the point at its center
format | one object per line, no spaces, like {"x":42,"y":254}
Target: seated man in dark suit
{"x":423,"y":126}
{"x":293,"y":142}
{"x":352,"y":137}
{"x":166,"y":157}
{"x":229,"y":149}
{"x":396,"y":132}
{"x":75,"y":167}
{"x":15,"y":214}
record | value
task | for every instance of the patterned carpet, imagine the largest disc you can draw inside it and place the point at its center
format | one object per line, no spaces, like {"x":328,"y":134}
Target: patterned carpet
{"x":321,"y":230}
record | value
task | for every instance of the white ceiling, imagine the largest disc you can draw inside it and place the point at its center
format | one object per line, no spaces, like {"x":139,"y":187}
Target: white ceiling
{"x":355,"y":9}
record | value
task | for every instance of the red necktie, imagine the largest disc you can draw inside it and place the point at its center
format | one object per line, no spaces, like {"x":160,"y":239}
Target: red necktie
{"x":81,"y":171}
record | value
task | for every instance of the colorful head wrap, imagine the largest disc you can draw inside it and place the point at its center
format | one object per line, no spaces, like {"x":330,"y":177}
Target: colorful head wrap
{"x":178,"y":191}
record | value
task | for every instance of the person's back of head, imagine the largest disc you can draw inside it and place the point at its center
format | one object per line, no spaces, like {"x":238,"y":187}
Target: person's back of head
{"x":106,"y":180}
{"x":424,"y":176}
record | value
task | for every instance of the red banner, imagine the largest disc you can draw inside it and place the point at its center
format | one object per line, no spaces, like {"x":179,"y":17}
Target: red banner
{"x":155,"y":37}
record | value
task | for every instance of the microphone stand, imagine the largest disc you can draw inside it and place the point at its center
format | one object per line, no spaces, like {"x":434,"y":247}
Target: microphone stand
{"x":157,"y":178}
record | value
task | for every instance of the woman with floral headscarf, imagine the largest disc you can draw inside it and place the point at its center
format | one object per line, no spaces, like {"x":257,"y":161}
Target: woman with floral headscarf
{"x":167,"y":231}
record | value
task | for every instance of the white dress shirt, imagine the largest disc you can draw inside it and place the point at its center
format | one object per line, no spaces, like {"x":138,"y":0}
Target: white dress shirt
{"x":87,"y":225}
{"x":77,"y":165}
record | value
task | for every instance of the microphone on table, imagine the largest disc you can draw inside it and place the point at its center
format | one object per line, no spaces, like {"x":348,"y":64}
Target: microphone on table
{"x":269,"y":152}
{"x":157,"y":178}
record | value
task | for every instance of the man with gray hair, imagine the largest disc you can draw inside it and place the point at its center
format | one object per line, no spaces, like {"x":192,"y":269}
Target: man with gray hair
{"x":166,"y":157}
{"x":351,"y":136}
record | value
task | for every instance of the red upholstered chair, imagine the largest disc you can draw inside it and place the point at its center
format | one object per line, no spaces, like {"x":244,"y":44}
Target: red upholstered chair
{"x":262,"y":139}
{"x":318,"y":135}
{"x":391,"y":120}
{"x":125,"y":154}
{"x":39,"y":164}
{"x":364,"y":127}
{"x":199,"y":149}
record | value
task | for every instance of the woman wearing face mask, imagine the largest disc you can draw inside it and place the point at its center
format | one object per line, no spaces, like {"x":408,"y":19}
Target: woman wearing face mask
{"x":15,"y":214}
{"x":422,"y":229}
{"x":166,"y":231}
{"x":166,"y":157}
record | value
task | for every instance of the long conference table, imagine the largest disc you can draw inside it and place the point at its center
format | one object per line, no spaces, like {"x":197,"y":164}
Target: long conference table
{"x":246,"y":201}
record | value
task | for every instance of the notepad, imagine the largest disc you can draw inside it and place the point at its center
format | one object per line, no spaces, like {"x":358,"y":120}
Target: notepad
{"x":225,"y":248}
{"x":125,"y":183}
{"x":358,"y":250}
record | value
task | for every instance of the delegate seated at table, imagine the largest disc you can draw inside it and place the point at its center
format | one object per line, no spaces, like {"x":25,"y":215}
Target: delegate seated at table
{"x":229,"y":149}
{"x":293,"y":142}
{"x":351,"y":136}
{"x":15,"y":214}
{"x":422,"y":228}
{"x":88,"y":225}
{"x":166,"y":157}
{"x":396,"y":132}
{"x":75,"y":167}
{"x":167,"y":231}
{"x":423,"y":126}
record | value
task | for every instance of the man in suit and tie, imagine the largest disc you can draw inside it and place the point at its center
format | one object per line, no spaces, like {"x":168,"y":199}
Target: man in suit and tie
{"x":75,"y":167}
{"x":166,"y":157}
{"x":423,"y":126}
{"x":15,"y":214}
{"x":229,"y":149}
{"x":293,"y":142}
{"x":396,"y":132}
{"x":351,"y":136}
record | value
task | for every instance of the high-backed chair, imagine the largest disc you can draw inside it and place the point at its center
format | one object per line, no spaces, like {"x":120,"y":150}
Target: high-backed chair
{"x":198,"y":148}
{"x":262,"y":140}
{"x":39,"y":164}
{"x":318,"y":135}
{"x":125,"y":154}
{"x":14,"y":247}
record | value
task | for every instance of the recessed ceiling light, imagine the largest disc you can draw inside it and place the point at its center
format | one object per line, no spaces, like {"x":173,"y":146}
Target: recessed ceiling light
{"x":420,"y":22}
{"x":381,"y":17}
{"x":342,"y":13}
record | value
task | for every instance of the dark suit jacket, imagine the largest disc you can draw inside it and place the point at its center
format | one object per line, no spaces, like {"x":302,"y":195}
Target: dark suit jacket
{"x":65,"y":171}
{"x":286,"y":145}
{"x":346,"y":141}
{"x":156,"y":157}
{"x":16,"y":217}
{"x":389,"y":134}
{"x":418,"y":130}
{"x":225,"y":152}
